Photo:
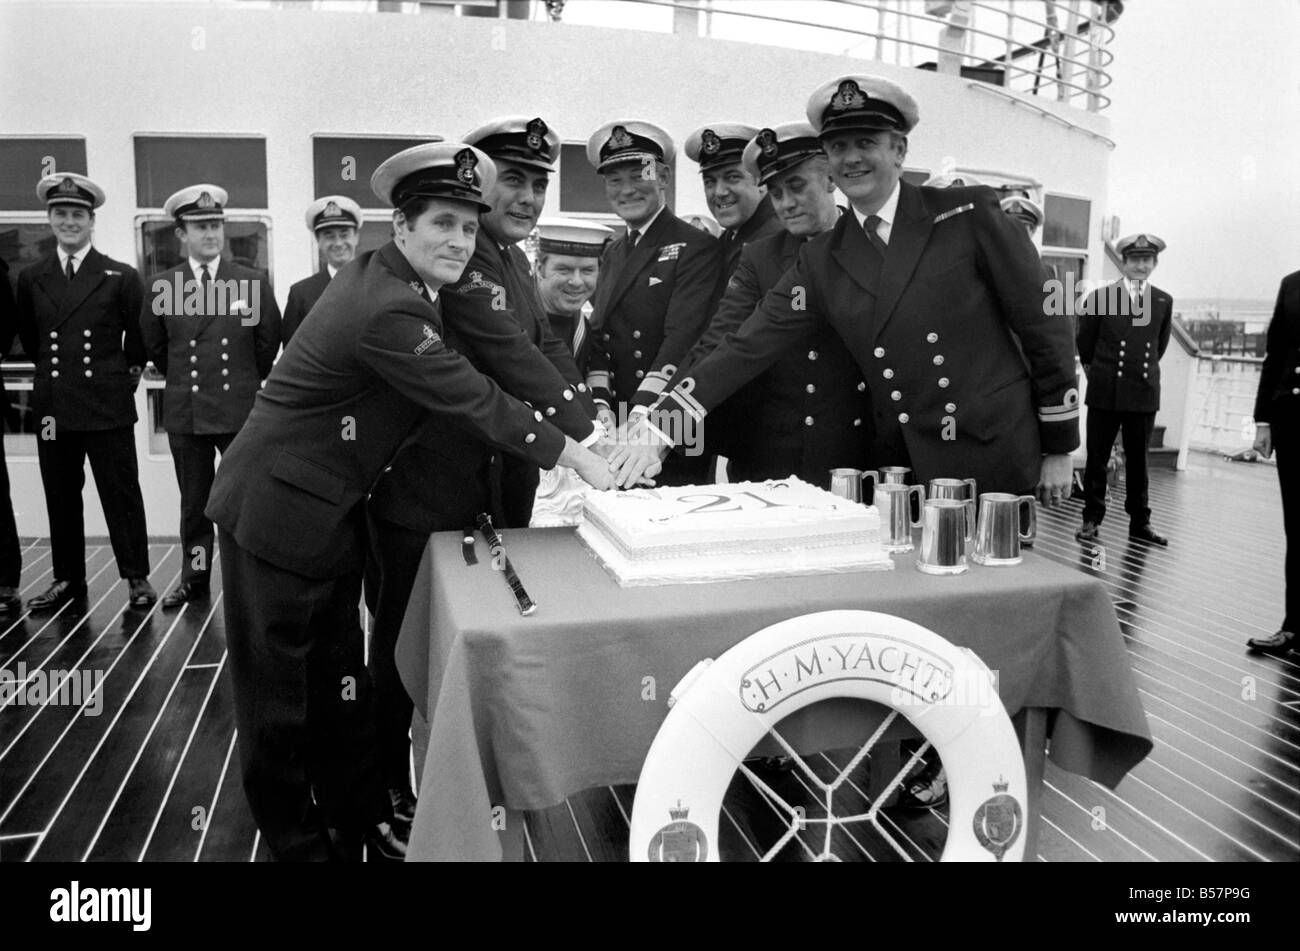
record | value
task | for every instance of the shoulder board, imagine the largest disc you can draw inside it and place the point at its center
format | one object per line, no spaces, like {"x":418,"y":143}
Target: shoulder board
{"x":953,"y":212}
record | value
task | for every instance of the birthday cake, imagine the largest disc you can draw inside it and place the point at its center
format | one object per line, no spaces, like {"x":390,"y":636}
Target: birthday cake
{"x":700,"y":533}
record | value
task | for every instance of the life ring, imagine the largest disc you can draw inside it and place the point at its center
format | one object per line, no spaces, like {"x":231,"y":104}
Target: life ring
{"x":724,"y":707}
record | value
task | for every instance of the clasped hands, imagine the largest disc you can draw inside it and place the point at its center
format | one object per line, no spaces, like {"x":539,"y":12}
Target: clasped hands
{"x":624,"y":456}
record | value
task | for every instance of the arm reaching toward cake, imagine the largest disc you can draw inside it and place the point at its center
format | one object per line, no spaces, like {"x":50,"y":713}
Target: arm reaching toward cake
{"x":593,"y":469}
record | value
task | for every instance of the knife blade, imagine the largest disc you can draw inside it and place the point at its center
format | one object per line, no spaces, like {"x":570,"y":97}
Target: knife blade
{"x":525,"y":604}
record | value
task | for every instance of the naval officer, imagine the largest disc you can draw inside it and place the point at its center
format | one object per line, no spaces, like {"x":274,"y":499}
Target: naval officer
{"x":568,"y":268}
{"x":732,"y":193}
{"x":1123,"y":330}
{"x":440,"y":479}
{"x":78,"y":319}
{"x":809,"y":412}
{"x":361,"y":375}
{"x":215,"y":348}
{"x":335,"y":220}
{"x":11,"y":556}
{"x":938,"y":296}
{"x":658,"y":284}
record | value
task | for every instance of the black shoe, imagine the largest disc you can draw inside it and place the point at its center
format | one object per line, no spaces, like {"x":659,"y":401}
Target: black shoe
{"x":1145,"y":533}
{"x":142,"y":594}
{"x":1087,"y":532}
{"x":10,"y":603}
{"x":385,"y":842}
{"x":56,"y":595}
{"x":1278,"y":645}
{"x":185,"y":591}
{"x":403,"y":802}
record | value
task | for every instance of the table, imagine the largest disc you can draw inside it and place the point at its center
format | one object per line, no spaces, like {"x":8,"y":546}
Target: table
{"x":524,"y":712}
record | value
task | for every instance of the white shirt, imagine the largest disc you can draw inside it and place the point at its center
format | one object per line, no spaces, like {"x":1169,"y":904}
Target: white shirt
{"x":1131,"y":287}
{"x":433,"y":295}
{"x":642,"y":229}
{"x":77,"y":259}
{"x":332,"y":269}
{"x":195,"y":264}
{"x":886,"y":214}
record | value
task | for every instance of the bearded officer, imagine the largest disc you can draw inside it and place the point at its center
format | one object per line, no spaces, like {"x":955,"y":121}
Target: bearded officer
{"x":335,"y":220}
{"x":362,"y":374}
{"x":937,"y":295}
{"x":658,"y":283}
{"x":78,"y":319}
{"x":732,"y":193}
{"x":214,"y":360}
{"x":568,"y":267}
{"x":808,"y":413}
{"x":1123,"y":331}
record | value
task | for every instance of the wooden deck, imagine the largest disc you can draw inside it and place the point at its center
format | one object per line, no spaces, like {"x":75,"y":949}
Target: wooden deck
{"x":146,"y":769}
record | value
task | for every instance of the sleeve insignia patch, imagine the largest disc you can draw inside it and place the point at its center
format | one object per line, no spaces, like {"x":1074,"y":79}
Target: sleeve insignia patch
{"x":430,"y":338}
{"x":954,"y":212}
{"x":417,"y":286}
{"x":475,"y":281}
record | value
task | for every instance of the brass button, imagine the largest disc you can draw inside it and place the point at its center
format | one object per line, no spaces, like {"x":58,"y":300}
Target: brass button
{"x":950,"y":407}
{"x":194,"y":388}
{"x":225,"y":356}
{"x":807,"y":420}
{"x":225,"y":371}
{"x":530,"y":438}
{"x":582,"y":387}
{"x":194,"y":343}
{"x":86,"y":332}
{"x":896,"y":396}
{"x":537,"y":415}
{"x":640,"y":374}
{"x":1119,"y":373}
{"x":225,"y":386}
{"x":54,"y":335}
{"x":550,"y":411}
{"x":888,"y":374}
{"x":85,"y":359}
{"x":938,"y":359}
{"x":932,"y":337}
{"x":812,"y":354}
{"x":87,"y":344}
{"x":879,"y":352}
{"x":862,"y":387}
{"x":857,"y":422}
{"x":810,"y":388}
{"x":943,"y":382}
{"x":194,"y":374}
{"x":54,"y":361}
{"x":90,"y":373}
{"x":637,"y":354}
{"x":54,"y":374}
{"x":54,"y":348}
{"x":636,"y":335}
{"x":225,"y":341}
{"x":194,"y":359}
{"x":903,"y":417}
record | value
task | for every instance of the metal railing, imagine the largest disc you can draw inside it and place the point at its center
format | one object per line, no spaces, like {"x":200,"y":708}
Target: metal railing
{"x":1045,"y":48}
{"x":1222,"y":403}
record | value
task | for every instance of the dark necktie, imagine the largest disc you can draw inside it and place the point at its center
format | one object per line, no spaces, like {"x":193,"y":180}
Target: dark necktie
{"x":72,"y":272}
{"x":205,"y":276}
{"x":873,"y":235}
{"x":632,"y":238}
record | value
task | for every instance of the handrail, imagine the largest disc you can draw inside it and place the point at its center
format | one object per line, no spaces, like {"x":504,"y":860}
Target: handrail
{"x":1110,"y":143}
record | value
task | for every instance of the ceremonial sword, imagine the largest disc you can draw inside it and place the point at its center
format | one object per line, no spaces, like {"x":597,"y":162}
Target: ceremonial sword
{"x":525,"y":604}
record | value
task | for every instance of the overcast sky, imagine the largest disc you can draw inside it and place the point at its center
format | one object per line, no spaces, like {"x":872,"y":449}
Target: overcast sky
{"x":1206,"y":115}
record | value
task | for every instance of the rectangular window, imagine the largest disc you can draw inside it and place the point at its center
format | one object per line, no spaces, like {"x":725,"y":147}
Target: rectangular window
{"x":1066,"y":224}
{"x":1063,"y":265}
{"x":343,"y":165}
{"x":582,"y":191}
{"x":25,"y":161}
{"x":166,"y":164}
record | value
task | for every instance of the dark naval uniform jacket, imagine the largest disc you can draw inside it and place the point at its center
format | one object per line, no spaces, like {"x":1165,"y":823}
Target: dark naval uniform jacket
{"x":83,"y":338}
{"x":1120,"y":349}
{"x":809,"y":412}
{"x":354,"y":384}
{"x":1278,"y":398}
{"x":937,"y":328}
{"x":302,"y":297}
{"x":574,"y":330}
{"x":763,"y":223}
{"x":497,"y":280}
{"x":214,"y":363}
{"x":650,"y":307}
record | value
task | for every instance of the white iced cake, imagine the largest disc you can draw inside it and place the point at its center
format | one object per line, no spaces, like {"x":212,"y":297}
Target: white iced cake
{"x":700,"y":533}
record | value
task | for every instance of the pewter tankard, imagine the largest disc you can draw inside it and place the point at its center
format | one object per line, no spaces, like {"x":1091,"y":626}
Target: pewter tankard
{"x":999,"y":536}
{"x":894,"y":503}
{"x":947,"y":528}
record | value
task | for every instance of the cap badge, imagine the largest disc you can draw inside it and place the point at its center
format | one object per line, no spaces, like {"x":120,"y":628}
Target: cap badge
{"x":710,"y":142}
{"x":205,"y":201}
{"x":767,"y":143}
{"x":619,"y":139}
{"x":67,"y":187}
{"x":417,"y":286}
{"x":536,"y":133}
{"x":332,"y":210}
{"x":848,"y":96}
{"x":465,"y":164}
{"x":1142,"y":242}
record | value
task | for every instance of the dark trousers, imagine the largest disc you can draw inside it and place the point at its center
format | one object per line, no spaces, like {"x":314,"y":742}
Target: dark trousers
{"x":302,"y":703}
{"x":1286,"y":443}
{"x":1103,"y":426}
{"x":11,"y":556}
{"x":195,"y":458}
{"x":117,"y":476}
{"x":392,"y":560}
